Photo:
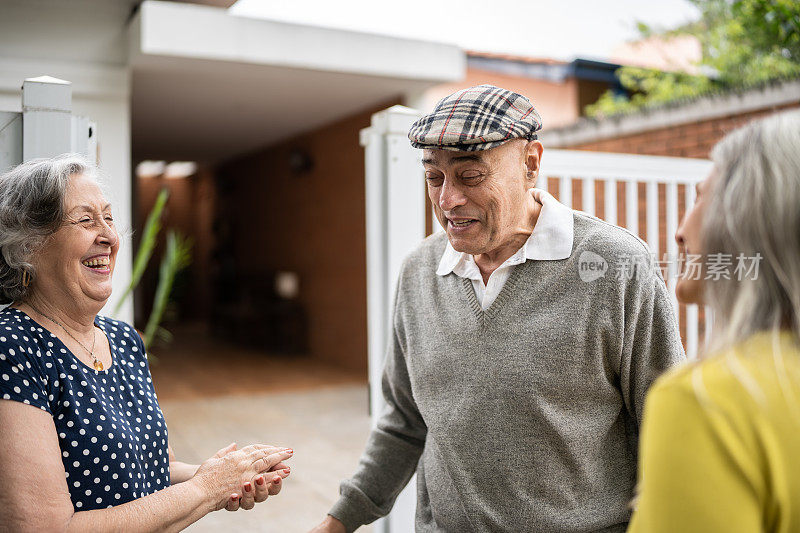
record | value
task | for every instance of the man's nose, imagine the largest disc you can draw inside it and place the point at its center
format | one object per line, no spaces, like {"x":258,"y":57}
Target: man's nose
{"x":450,"y":195}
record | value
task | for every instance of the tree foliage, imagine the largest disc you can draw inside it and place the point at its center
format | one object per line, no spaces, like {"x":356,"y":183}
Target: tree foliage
{"x":743,"y":43}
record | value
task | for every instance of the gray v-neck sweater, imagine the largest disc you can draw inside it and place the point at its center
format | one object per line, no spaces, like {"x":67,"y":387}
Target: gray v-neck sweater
{"x":523,"y":417}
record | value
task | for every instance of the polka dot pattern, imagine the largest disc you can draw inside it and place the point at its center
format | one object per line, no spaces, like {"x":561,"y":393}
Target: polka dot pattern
{"x":111,"y":431}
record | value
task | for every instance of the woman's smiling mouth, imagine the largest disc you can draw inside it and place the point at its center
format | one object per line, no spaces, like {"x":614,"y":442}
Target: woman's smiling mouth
{"x":100,"y":263}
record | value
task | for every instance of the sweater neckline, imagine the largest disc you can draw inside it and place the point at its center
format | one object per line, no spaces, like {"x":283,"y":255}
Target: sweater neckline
{"x":498,"y":302}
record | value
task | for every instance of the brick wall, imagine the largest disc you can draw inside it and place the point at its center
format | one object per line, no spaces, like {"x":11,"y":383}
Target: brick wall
{"x":311,"y":223}
{"x":190,"y":210}
{"x":694,"y":139}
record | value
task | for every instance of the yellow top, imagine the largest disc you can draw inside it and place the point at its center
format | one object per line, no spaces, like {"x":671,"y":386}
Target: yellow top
{"x":720,"y":443}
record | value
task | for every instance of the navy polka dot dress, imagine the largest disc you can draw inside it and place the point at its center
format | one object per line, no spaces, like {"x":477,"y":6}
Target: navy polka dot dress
{"x":111,"y":431}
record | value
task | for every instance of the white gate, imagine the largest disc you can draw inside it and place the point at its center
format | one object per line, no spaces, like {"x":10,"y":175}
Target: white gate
{"x":396,"y":206}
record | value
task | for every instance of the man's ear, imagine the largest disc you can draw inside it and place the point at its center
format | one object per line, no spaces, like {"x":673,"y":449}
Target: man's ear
{"x":533,"y":158}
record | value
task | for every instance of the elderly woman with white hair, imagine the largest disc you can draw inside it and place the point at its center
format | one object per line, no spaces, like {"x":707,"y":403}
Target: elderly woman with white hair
{"x":720,"y":446}
{"x":84,"y":444}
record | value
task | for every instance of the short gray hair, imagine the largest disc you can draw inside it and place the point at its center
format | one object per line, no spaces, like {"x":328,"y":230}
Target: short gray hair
{"x":31,"y":209}
{"x":755,"y":209}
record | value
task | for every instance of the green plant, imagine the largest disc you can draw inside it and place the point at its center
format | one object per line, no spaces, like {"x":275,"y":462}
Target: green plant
{"x":149,"y":240}
{"x":177,"y":256}
{"x":744,"y":43}
{"x":649,"y":87}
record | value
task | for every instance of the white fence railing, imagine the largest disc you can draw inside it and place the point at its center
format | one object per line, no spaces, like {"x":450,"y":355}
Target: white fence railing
{"x":396,"y":213}
{"x":565,"y":167}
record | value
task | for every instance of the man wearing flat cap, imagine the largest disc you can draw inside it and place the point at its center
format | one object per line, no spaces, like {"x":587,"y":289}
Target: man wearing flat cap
{"x":514,"y":382}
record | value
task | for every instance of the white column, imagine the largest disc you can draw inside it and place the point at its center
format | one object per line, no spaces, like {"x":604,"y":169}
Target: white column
{"x":395,"y":226}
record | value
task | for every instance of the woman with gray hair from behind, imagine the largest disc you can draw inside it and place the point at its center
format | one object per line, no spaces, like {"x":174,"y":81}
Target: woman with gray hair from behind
{"x":720,"y":438}
{"x":84,"y":444}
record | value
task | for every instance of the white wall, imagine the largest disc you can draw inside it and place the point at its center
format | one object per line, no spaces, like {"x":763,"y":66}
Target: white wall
{"x":82,"y":41}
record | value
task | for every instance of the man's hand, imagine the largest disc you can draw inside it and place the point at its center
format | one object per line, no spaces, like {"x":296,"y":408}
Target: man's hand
{"x":329,"y":525}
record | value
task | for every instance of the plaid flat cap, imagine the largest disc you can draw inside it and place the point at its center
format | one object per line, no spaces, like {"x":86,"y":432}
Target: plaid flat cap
{"x":478,"y":118}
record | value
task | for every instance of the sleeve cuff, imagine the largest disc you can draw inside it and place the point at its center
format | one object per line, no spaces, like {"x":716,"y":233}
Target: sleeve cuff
{"x":347,"y":512}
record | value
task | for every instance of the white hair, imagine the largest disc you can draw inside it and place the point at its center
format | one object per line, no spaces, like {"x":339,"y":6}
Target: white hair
{"x":31,"y":209}
{"x":755,"y":209}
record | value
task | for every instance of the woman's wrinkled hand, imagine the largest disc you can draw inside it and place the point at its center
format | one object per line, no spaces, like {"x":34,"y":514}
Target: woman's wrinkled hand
{"x":259,"y":489}
{"x":233,"y":478}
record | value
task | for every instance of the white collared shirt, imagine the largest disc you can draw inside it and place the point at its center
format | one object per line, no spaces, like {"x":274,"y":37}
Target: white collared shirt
{"x":551,"y":239}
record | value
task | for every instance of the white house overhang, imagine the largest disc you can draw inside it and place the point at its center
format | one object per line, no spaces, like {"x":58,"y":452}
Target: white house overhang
{"x":208,"y":84}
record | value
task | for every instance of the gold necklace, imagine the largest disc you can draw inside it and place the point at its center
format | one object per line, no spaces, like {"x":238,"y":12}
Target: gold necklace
{"x":96,"y":363}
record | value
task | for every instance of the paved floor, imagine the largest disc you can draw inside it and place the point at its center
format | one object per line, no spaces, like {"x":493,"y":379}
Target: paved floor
{"x":327,"y":428}
{"x":214,"y":393}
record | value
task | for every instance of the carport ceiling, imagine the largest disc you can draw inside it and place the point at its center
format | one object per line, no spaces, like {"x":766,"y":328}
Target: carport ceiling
{"x":208,"y":85}
{"x":211,"y":110}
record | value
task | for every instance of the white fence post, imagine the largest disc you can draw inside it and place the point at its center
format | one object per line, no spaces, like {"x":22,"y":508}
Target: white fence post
{"x":692,"y":311}
{"x":46,"y":127}
{"x":632,"y":206}
{"x":46,"y":117}
{"x":610,"y":201}
{"x":395,"y":225}
{"x":49,"y":127}
{"x":588,"y":200}
{"x":672,"y":245}
{"x":651,"y":215}
{"x":565,"y":191}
